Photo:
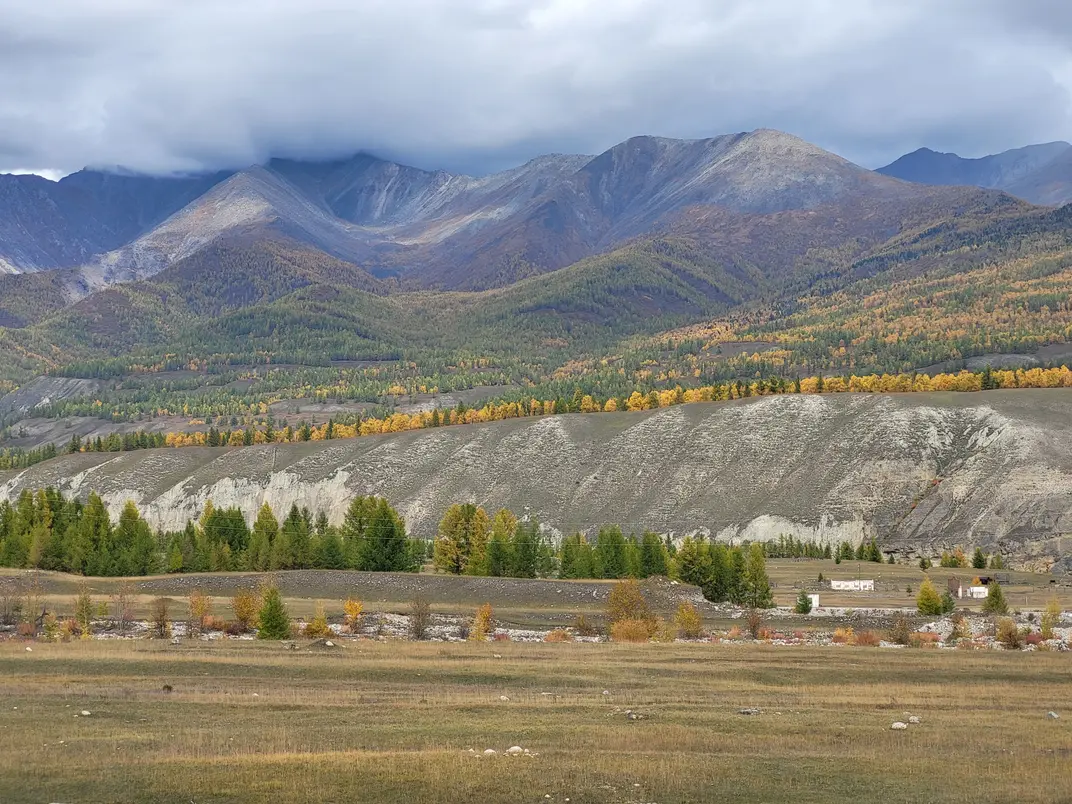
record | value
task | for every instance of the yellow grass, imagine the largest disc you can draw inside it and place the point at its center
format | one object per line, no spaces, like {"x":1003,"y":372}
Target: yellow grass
{"x":394,"y":722}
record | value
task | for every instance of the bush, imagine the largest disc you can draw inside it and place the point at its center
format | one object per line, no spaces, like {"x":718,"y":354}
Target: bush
{"x":558,"y":635}
{"x":501,"y":637}
{"x":1009,"y":635}
{"x":200,"y":606}
{"x":734,"y":633}
{"x":626,"y":602}
{"x":420,"y":617}
{"x":212,"y":623}
{"x":868,"y":639}
{"x":754,"y":621}
{"x":687,"y":621}
{"x":949,"y":605}
{"x":928,"y":601}
{"x":1050,"y":618}
{"x":631,"y":630}
{"x":161,"y":624}
{"x":583,"y":627}
{"x":995,"y":600}
{"x":353,"y":609}
{"x":273,"y":619}
{"x":844,"y":636}
{"x":482,"y":626}
{"x":901,"y":630}
{"x":923,"y":639}
{"x":803,"y":605}
{"x":245,"y":604}
{"x":83,"y":611}
{"x":317,"y":628}
{"x":925,"y":564}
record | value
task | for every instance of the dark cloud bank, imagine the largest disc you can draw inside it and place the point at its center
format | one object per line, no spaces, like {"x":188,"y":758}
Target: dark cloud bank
{"x":477,"y":85}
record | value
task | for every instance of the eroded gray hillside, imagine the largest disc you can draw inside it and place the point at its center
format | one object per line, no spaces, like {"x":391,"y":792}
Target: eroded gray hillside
{"x":920,"y":472}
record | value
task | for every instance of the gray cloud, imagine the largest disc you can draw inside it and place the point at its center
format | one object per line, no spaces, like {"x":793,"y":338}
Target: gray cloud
{"x":480,"y":84}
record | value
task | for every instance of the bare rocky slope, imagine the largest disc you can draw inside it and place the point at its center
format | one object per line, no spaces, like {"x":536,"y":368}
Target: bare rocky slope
{"x":919,"y":472}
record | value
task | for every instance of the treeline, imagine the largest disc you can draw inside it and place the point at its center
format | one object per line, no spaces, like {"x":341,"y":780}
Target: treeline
{"x":470,"y":542}
{"x":15,"y":458}
{"x":45,"y":530}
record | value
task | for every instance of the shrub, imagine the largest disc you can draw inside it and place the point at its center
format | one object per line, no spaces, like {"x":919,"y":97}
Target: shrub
{"x":949,"y":605}
{"x":928,"y":601}
{"x":273,"y":619}
{"x":200,"y":607}
{"x":481,"y":624}
{"x":868,"y":639}
{"x":925,"y":564}
{"x":754,"y":621}
{"x":688,"y":622}
{"x":1034,"y":639}
{"x":734,"y":633}
{"x":1009,"y":635}
{"x":631,"y":630}
{"x":245,"y":604}
{"x":161,"y":623}
{"x":626,"y":602}
{"x":26,"y":629}
{"x":1050,"y":618}
{"x":583,"y":627}
{"x":235,"y":628}
{"x":353,"y":609}
{"x":995,"y":600}
{"x":558,"y":635}
{"x":420,"y":617}
{"x":213,"y":623}
{"x":923,"y":639}
{"x":317,"y":628}
{"x":961,"y":629}
{"x":803,"y":605}
{"x":844,"y":636}
{"x":51,"y":628}
{"x":900,"y":631}
{"x":463,"y":630}
{"x":83,"y":611}
{"x":502,"y":637}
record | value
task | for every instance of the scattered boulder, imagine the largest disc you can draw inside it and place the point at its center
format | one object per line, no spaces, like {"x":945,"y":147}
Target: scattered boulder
{"x":1053,"y":716}
{"x":914,"y":720}
{"x":86,"y":713}
{"x":515,"y":750}
{"x":503,"y":698}
{"x":29,"y":649}
{"x":748,"y":711}
{"x":898,"y":726}
{"x":328,"y":643}
{"x":490,"y":752}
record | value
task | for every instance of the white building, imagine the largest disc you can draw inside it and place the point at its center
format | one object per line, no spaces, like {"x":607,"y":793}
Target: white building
{"x":852,"y":586}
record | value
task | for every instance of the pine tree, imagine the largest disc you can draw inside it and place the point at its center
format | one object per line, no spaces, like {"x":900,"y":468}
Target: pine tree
{"x":803,"y":605}
{"x":354,"y":526}
{"x":331,"y":555}
{"x":385,"y":547}
{"x":928,"y":601}
{"x":995,"y":599}
{"x":757,"y":590}
{"x":273,"y":620}
{"x":525,"y":550}
{"x":978,"y":559}
{"x":462,"y":527}
{"x":693,"y":562}
{"x":265,"y":531}
{"x":297,"y":536}
{"x":610,"y":553}
{"x":652,"y":556}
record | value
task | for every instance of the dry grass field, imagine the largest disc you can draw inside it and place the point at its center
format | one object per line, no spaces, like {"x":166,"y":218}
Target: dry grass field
{"x":395,"y":721}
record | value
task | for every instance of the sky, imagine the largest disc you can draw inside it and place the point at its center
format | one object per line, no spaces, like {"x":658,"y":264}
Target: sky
{"x":478,"y":85}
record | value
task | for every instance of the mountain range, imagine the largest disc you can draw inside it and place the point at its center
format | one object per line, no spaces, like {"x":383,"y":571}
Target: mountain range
{"x":1040,"y":174}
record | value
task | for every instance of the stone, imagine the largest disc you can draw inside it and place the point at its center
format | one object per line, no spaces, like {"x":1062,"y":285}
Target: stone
{"x":1053,"y":716}
{"x":29,"y":650}
{"x":489,"y":752}
{"x":515,"y":750}
{"x":503,"y":698}
{"x":898,"y":726}
{"x":748,"y":711}
{"x":85,"y":713}
{"x":329,"y":644}
{"x":914,"y":720}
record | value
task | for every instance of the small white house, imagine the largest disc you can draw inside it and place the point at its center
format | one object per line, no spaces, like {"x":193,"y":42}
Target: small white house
{"x":814,"y":601}
{"x":853,"y":586}
{"x":977,"y":592}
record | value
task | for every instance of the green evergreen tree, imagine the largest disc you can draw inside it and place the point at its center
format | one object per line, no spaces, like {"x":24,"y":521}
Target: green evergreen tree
{"x":803,"y":604}
{"x":757,"y":590}
{"x":978,"y":559}
{"x":693,"y":562}
{"x":330,"y":552}
{"x":652,"y":556}
{"x":995,"y":599}
{"x":297,"y":535}
{"x":354,"y":525}
{"x":265,"y":532}
{"x":610,"y":553}
{"x":525,"y":550}
{"x":385,"y":547}
{"x":273,"y":619}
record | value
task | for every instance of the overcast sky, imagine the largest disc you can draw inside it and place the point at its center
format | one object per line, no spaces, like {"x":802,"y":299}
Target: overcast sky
{"x":476,"y":85}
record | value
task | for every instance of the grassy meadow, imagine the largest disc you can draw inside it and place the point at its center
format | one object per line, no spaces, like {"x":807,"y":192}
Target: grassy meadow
{"x":395,"y":721}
